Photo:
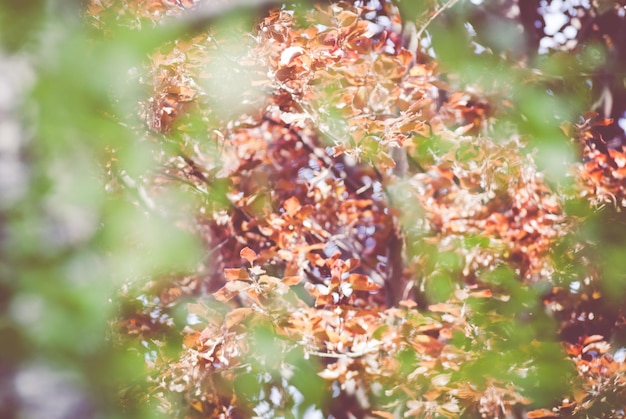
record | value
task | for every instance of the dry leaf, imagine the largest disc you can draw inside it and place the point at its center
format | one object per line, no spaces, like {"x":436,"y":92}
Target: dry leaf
{"x":248,"y":254}
{"x":292,"y":205}
{"x":236,"y":316}
{"x":236,"y":274}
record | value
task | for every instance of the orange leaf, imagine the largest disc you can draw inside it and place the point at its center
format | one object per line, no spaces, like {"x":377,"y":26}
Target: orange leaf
{"x":236,"y":274}
{"x":592,"y":339}
{"x":385,"y":160}
{"x":338,"y":150}
{"x":254,"y":295}
{"x":229,"y":291}
{"x":352,"y":263}
{"x":354,"y":327}
{"x":541,"y":413}
{"x":426,"y":343}
{"x":486,"y":293}
{"x":291,"y":280}
{"x":324,"y":300}
{"x":312,"y":290}
{"x":197,"y":404}
{"x":316,"y":259}
{"x":237,"y":316}
{"x":453,"y":309}
{"x":191,"y":339}
{"x":248,"y":254}
{"x":292,"y":205}
{"x":362,"y":283}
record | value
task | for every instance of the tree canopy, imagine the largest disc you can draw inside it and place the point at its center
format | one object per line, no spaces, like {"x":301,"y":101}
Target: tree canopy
{"x":351,"y":209}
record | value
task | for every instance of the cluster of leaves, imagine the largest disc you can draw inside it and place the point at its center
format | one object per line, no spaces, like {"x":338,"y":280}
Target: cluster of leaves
{"x":370,"y":251}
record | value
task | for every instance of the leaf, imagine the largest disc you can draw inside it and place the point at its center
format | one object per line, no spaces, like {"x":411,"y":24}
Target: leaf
{"x":346,"y":289}
{"x":294,"y":118}
{"x":453,"y":309}
{"x":236,"y":274}
{"x":592,"y":339}
{"x":292,"y":205}
{"x":248,"y":254}
{"x":352,"y":263}
{"x":197,"y":405}
{"x":324,"y":299}
{"x":486,"y":293}
{"x":291,"y":280}
{"x":330,"y":374}
{"x":541,"y":413}
{"x":254,"y":294}
{"x":230,"y":290}
{"x":312,"y":290}
{"x":190,"y":340}
{"x":451,"y":407}
{"x":288,"y":55}
{"x":236,"y":316}
{"x":425,"y":343}
{"x":441,"y":379}
{"x":408,"y":303}
{"x":354,"y":327}
{"x":256,"y":270}
{"x":362,"y":283}
{"x":385,"y":160}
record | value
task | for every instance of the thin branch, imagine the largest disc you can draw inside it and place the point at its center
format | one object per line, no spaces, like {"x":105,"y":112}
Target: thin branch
{"x":343,"y":355}
{"x":448,"y":5}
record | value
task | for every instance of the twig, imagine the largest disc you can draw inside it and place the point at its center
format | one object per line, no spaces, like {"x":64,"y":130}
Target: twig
{"x":343,"y":355}
{"x":448,"y":5}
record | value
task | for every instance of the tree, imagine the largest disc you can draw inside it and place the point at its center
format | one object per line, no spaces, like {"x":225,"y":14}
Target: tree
{"x":340,"y":209}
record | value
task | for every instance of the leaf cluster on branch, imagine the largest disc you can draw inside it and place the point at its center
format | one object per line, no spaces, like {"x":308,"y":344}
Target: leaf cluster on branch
{"x":377,"y":245}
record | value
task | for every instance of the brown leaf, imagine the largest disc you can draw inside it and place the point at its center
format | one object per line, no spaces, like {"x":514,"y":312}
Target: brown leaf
{"x":541,"y":413}
{"x":291,"y":280}
{"x":352,"y":263}
{"x":312,"y":290}
{"x":426,"y":343}
{"x":190,"y":340}
{"x":236,"y":316}
{"x":292,"y":205}
{"x":354,"y":327}
{"x":323,"y":299}
{"x":486,"y":293}
{"x":408,"y":303}
{"x":362,"y":283}
{"x":197,"y":405}
{"x":254,"y":294}
{"x":230,"y":290}
{"x":236,"y":274}
{"x":248,"y":254}
{"x":453,"y":309}
{"x":287,"y":56}
{"x":592,"y":339}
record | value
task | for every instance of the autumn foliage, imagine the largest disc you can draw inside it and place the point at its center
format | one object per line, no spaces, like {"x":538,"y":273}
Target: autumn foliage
{"x":375,"y":243}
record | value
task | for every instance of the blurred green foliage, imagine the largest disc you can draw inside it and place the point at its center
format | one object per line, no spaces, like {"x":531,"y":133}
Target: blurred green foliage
{"x":66,"y":245}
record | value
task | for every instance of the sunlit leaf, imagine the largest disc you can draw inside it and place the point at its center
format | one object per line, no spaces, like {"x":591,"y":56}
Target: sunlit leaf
{"x":236,"y":316}
{"x":235,"y":274}
{"x":362,"y":283}
{"x":248,"y":254}
{"x":230,"y":290}
{"x":291,"y":280}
